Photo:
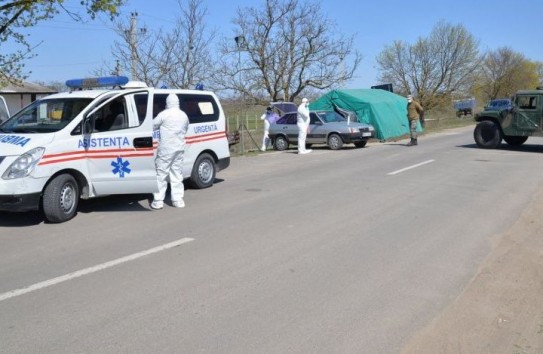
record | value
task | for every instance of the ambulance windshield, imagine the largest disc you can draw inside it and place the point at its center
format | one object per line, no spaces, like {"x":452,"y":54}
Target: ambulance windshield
{"x":46,"y":116}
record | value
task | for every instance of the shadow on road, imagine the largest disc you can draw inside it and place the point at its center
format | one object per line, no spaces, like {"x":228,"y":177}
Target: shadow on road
{"x":535,"y":148}
{"x":113,"y":203}
{"x":117,"y":203}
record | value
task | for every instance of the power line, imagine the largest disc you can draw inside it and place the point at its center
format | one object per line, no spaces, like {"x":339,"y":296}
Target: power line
{"x":65,"y":64}
{"x":74,"y":28}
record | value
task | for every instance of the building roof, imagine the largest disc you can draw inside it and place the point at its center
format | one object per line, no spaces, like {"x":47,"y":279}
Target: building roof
{"x":25,"y":87}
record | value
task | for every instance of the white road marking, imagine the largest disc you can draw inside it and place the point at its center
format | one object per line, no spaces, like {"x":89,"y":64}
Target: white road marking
{"x":409,"y":167}
{"x":90,"y":270}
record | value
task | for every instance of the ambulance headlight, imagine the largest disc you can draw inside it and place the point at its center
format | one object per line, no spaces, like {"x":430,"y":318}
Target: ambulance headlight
{"x":24,"y":164}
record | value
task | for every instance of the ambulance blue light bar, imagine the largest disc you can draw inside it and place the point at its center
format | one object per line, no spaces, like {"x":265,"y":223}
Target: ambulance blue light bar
{"x":97,"y":82}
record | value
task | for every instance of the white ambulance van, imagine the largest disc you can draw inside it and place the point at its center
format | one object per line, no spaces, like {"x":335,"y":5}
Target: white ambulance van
{"x":88,"y":143}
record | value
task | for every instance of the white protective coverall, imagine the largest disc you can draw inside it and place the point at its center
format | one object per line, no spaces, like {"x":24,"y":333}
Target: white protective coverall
{"x":266,"y":136}
{"x":303,"y":125}
{"x":172,"y":124}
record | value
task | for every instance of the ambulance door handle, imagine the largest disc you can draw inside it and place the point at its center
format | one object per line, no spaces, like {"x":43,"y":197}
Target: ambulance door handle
{"x":143,"y":142}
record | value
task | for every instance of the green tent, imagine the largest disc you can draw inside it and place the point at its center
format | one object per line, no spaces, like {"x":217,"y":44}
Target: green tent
{"x":386,"y":111}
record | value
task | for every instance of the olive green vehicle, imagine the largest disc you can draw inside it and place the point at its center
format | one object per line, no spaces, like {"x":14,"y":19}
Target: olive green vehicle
{"x":514,"y":125}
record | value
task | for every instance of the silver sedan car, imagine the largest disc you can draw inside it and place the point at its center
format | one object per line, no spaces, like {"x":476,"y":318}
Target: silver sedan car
{"x":325,"y":127}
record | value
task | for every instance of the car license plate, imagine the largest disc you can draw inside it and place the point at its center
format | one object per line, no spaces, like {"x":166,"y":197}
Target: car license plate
{"x":366,"y":134}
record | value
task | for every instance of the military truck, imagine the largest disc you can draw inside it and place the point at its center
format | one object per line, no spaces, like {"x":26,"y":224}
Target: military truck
{"x":513,"y":124}
{"x":464,"y":107}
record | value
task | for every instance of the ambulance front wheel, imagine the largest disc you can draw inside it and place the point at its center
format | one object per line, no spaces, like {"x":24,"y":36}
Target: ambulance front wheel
{"x":60,"y":199}
{"x":203,"y":172}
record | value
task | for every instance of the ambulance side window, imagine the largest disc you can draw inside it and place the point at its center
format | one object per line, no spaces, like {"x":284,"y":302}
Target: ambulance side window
{"x":159,"y":103}
{"x":141,"y":106}
{"x":199,"y":108}
{"x":112,"y":116}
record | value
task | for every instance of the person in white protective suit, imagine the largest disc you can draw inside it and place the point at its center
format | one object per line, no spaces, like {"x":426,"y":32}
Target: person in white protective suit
{"x":269,"y":118}
{"x":172,"y":124}
{"x":303,"y":125}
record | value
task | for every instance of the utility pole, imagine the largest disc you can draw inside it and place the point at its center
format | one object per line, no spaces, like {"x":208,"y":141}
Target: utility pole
{"x":240,"y":44}
{"x":341,"y":70}
{"x":117,"y":70}
{"x":133,"y":42}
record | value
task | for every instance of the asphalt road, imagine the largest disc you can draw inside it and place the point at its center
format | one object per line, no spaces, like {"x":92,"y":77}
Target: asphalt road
{"x":349,"y":251}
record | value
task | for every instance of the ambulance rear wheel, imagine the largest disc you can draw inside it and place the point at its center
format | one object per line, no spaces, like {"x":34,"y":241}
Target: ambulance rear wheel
{"x":203,"y":172}
{"x":60,"y":199}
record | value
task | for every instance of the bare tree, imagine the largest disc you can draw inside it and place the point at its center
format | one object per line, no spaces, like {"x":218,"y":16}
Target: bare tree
{"x":505,"y":71}
{"x":19,"y":14}
{"x":143,"y":49}
{"x":58,"y":86}
{"x":177,"y":58}
{"x":283,"y":49}
{"x":434,"y":67}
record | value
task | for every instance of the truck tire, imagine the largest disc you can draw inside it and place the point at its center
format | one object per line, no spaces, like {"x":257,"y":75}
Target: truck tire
{"x":515,"y":140}
{"x":203,"y":172}
{"x":487,"y":135}
{"x":60,"y":199}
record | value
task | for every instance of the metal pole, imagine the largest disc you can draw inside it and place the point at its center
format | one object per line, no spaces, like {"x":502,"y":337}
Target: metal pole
{"x":240,"y":43}
{"x":133,"y":23}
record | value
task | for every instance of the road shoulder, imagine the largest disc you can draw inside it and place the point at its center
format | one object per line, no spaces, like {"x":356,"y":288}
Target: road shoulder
{"x":501,"y":310}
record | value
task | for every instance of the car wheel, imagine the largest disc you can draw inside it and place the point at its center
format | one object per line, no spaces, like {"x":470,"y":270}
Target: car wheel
{"x":60,"y":199}
{"x":281,"y":143}
{"x":515,"y":140}
{"x":360,"y":144}
{"x":487,"y":135}
{"x":335,"y":142}
{"x":203,"y":172}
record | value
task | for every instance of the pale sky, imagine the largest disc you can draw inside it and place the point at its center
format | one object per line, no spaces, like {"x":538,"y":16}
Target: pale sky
{"x":71,"y":50}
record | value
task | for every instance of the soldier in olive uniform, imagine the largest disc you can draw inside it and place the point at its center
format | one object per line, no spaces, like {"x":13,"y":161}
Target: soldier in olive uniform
{"x":414,"y":113}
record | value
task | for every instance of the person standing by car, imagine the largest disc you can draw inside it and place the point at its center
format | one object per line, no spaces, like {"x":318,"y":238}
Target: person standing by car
{"x":269,"y":117}
{"x":303,"y":125}
{"x":173,"y":124}
{"x":414,"y":113}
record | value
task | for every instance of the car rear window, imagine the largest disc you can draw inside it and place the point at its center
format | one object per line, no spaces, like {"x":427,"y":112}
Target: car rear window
{"x":289,"y":118}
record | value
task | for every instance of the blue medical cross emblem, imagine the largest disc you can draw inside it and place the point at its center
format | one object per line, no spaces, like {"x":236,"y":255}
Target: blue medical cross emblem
{"x":120,"y":167}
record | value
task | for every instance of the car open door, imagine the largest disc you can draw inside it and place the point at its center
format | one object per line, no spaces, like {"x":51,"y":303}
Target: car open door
{"x":349,"y":115}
